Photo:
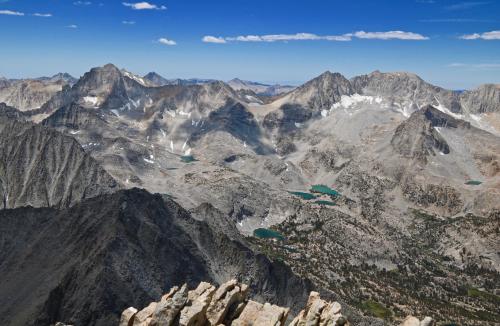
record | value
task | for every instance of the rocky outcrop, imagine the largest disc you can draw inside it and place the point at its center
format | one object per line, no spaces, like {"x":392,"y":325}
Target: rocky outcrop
{"x":228,"y":305}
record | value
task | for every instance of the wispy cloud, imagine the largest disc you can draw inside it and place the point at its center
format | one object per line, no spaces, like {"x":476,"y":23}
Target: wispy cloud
{"x":144,"y":6}
{"x":466,"y":5}
{"x":166,"y":41}
{"x":213,"y":39}
{"x":455,"y":20}
{"x":493,"y":35}
{"x":485,"y":66}
{"x":82,"y":3}
{"x":390,"y":35}
{"x":42,"y":15}
{"x":128,"y":22}
{"x":73,"y":26}
{"x":11,"y":13}
{"x":288,"y":37}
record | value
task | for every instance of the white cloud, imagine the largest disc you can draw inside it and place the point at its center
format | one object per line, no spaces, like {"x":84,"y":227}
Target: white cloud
{"x":128,"y":22}
{"x":493,"y":35}
{"x":391,"y":35}
{"x":213,"y":39}
{"x":288,"y":37}
{"x":42,"y":15}
{"x":82,"y":3}
{"x":73,"y":26}
{"x":11,"y":13}
{"x":166,"y":41}
{"x":144,"y":6}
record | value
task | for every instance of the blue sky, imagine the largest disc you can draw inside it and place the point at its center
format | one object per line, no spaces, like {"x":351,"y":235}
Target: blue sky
{"x":451,"y":43}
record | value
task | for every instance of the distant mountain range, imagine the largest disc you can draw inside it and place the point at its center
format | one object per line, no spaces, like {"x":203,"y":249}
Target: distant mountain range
{"x":259,"y":88}
{"x":381,"y":191}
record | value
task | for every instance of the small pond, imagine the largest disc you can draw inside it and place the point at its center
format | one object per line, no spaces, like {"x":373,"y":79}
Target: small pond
{"x":188,"y":158}
{"x":303,"y":195}
{"x":322,"y":189}
{"x":268,"y":234}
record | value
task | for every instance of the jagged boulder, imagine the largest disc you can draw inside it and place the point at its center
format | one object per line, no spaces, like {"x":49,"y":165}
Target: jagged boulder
{"x":127,"y":318}
{"x":256,"y":313}
{"x":226,"y":300}
{"x":414,"y":321}
{"x":194,"y":313}
{"x":319,"y":312}
{"x":228,"y":305}
{"x":169,"y":307}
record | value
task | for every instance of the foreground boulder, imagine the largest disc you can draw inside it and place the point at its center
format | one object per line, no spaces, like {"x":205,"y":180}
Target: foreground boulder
{"x":414,"y":321}
{"x":227,"y":305}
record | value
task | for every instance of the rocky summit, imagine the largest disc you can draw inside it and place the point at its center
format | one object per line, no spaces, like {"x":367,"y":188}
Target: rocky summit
{"x":228,"y":305}
{"x":378,"y":193}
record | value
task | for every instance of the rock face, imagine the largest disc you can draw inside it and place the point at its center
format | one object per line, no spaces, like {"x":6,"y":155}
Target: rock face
{"x":321,"y":92}
{"x":128,"y":248}
{"x":405,"y":86}
{"x":228,"y":305}
{"x":417,"y":137}
{"x":29,"y":94}
{"x":42,"y":167}
{"x":484,"y":99}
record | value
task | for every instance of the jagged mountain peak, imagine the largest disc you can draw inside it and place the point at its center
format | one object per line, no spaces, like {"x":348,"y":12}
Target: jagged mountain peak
{"x":321,"y":92}
{"x":63,"y":77}
{"x":155,"y":78}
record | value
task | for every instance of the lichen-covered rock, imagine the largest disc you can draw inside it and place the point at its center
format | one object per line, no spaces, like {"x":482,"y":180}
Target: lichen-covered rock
{"x":194,"y":313}
{"x":256,"y":313}
{"x":319,"y":312}
{"x":143,"y":317}
{"x":228,"y":296}
{"x":411,"y":321}
{"x":169,"y":307}
{"x":427,"y":321}
{"x":127,"y":318}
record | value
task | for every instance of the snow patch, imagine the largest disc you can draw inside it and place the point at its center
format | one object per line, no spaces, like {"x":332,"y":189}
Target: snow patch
{"x":94,"y":100}
{"x":186,"y":114}
{"x":148,"y":161}
{"x":444,"y":109}
{"x":115,"y":112}
{"x":134,"y":77}
{"x":171,"y":113}
{"x":347,"y":101}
